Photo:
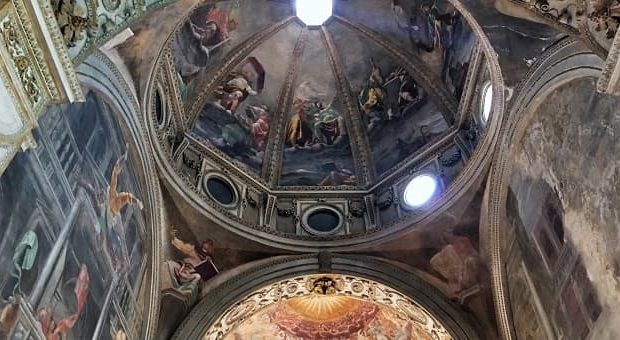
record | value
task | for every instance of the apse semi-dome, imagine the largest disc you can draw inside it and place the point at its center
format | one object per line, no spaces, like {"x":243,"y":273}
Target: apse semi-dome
{"x":297,"y":116}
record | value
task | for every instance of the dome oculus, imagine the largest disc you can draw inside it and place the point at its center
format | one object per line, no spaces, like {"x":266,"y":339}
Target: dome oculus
{"x":420,"y":190}
{"x":314,"y":12}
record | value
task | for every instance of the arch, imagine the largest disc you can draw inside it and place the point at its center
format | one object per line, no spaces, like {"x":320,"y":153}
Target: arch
{"x":566,"y":61}
{"x":98,"y":73}
{"x":231,"y":287}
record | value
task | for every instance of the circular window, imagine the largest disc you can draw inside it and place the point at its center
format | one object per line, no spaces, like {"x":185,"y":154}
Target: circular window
{"x":420,"y":190}
{"x":159,"y":109}
{"x":323,"y":220}
{"x":487,"y":101}
{"x":221,"y":191}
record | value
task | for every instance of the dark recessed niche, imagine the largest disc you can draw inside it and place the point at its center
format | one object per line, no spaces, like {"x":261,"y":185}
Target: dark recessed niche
{"x":324,"y":220}
{"x":221,"y":191}
{"x":159,"y":108}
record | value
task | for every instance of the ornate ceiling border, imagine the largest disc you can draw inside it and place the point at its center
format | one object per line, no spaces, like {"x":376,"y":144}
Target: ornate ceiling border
{"x":34,"y":67}
{"x":564,"y":62}
{"x":276,"y":279}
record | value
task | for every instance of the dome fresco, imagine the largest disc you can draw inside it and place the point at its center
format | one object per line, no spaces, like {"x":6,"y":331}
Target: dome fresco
{"x":329,"y":106}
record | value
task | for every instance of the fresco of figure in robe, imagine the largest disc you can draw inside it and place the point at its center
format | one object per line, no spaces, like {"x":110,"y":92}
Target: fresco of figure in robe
{"x":233,"y":120}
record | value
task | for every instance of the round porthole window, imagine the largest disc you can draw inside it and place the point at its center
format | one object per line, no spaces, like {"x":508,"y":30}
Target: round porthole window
{"x":323,"y":220}
{"x":486,"y":104}
{"x":420,"y":190}
{"x":221,"y":191}
{"x":160,"y":114}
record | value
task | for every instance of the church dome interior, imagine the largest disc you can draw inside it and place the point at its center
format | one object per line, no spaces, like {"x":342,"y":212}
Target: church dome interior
{"x":309,"y":169}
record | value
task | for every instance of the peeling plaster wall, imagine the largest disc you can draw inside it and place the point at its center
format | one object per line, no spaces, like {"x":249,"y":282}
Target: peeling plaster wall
{"x":567,"y":162}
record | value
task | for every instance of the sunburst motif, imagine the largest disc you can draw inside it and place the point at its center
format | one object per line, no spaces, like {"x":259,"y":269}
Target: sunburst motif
{"x":321,"y":308}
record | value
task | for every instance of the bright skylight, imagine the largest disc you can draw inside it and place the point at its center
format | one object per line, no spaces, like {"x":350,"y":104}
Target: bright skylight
{"x":487,"y":101}
{"x":420,"y":190}
{"x":314,"y":12}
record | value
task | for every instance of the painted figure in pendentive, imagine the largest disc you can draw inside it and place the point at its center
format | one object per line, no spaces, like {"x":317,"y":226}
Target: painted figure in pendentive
{"x":196,"y":268}
{"x":109,"y":209}
{"x":387,"y":98}
{"x":461,"y":265}
{"x":328,"y":127}
{"x":429,"y":23}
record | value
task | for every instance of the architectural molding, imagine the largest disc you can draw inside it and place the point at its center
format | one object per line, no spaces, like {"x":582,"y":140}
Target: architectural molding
{"x":609,"y":82}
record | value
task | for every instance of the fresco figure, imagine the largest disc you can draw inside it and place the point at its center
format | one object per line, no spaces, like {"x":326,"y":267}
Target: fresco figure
{"x":205,"y":31}
{"x":55,"y":331}
{"x":429,"y":23}
{"x":460,"y":264}
{"x":260,"y":127}
{"x":109,"y":210}
{"x":338,"y":175}
{"x":9,"y":314}
{"x":195,"y":269}
{"x":388,"y":98}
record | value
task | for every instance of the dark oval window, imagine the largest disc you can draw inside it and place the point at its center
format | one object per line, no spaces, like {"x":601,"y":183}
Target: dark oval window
{"x":324,"y":220}
{"x":221,"y":191}
{"x":159,"y":108}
